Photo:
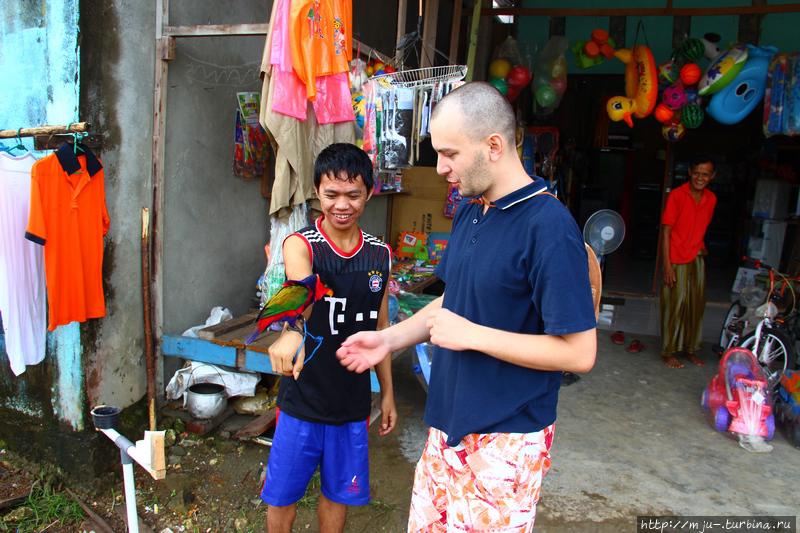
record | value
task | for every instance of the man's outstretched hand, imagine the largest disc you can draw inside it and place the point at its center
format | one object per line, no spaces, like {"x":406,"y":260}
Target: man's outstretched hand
{"x":362,"y":351}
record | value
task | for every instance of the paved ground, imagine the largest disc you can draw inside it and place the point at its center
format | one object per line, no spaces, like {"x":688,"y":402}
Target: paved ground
{"x":631,"y":439}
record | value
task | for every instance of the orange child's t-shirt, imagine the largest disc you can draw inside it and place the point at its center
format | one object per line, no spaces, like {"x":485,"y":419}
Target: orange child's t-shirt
{"x":321,"y":39}
{"x":68,"y":216}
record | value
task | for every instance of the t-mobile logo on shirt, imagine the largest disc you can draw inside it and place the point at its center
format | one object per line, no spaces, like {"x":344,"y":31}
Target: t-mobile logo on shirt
{"x":336,"y":316}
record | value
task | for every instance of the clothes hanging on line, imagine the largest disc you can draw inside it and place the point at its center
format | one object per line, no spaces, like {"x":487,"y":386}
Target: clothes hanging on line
{"x":329,"y":92}
{"x":397,"y":118}
{"x":68,"y":216}
{"x":296,"y":143}
{"x":23,"y":301}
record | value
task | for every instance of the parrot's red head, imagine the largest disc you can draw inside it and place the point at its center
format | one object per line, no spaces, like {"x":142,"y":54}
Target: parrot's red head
{"x":320,"y":290}
{"x":314,"y":285}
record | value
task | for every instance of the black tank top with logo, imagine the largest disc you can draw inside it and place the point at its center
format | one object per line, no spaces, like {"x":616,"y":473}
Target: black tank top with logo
{"x":326,"y":391}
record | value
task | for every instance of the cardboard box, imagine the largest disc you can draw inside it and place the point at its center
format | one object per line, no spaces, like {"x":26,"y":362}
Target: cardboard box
{"x":422,"y":210}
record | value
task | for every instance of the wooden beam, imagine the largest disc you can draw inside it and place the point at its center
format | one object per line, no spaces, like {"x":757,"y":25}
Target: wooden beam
{"x":455,"y":31}
{"x":639,"y":11}
{"x":45,"y":130}
{"x":428,"y":58}
{"x":207,"y":30}
{"x":217,"y":30}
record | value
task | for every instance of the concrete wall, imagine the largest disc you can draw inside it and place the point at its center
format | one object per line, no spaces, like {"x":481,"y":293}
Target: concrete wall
{"x":216,"y":224}
{"x":40,"y":42}
{"x":117,"y":95}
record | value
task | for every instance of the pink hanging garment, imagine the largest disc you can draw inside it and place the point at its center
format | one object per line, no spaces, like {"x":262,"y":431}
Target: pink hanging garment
{"x":333,"y":102}
{"x":289,"y":92}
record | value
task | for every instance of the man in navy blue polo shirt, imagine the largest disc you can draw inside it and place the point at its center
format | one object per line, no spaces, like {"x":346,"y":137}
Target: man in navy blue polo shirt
{"x":517,"y":311}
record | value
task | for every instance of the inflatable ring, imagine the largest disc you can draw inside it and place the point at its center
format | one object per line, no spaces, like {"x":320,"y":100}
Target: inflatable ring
{"x":723,"y":70}
{"x":641,"y":86}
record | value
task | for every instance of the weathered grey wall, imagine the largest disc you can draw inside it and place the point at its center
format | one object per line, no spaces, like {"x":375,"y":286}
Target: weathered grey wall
{"x":216,"y":224}
{"x":117,"y":97}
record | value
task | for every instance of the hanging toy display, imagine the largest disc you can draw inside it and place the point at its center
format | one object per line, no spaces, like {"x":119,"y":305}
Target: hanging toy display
{"x":673,"y":131}
{"x":690,"y":74}
{"x":782,"y":96}
{"x":692,"y":116}
{"x":508,"y":72}
{"x":550,"y":78}
{"x":641,"y":86}
{"x":599,"y":48}
{"x":743,"y":94}
{"x":517,"y":79}
{"x":723,"y":70}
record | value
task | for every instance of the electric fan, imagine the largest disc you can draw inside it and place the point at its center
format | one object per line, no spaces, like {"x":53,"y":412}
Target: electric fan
{"x":604,"y":232}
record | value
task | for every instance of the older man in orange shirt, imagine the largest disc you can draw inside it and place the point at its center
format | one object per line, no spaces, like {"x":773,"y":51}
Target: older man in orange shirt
{"x":683,"y":227}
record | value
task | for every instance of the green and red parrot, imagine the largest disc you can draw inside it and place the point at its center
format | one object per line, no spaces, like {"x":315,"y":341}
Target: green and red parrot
{"x":288,"y":304}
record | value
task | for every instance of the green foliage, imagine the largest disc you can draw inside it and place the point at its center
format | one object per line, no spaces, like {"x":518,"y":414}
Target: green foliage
{"x":310,"y":499}
{"x":47,"y":508}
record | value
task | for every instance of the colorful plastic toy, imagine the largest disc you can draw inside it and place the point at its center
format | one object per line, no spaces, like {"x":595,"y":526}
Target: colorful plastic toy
{"x":737,"y":398}
{"x":690,"y":74}
{"x":739,"y":98}
{"x":723,"y":70}
{"x":787,"y":406}
{"x":641,"y":86}
{"x":692,"y":116}
{"x":673,"y":131}
{"x":675,"y":96}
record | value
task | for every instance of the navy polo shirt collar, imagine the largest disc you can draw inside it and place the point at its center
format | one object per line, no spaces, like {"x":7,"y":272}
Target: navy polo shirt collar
{"x":537,"y":186}
{"x":69,"y":161}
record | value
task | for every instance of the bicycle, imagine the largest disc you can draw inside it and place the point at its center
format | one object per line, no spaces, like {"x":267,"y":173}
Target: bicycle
{"x":756,"y":322}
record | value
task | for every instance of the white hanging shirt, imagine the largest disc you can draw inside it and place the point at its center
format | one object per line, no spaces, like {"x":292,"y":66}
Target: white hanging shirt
{"x":22,"y":287}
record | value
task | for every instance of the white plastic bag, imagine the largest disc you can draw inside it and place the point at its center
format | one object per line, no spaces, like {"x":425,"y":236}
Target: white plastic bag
{"x":235,"y":383}
{"x":218,"y":314}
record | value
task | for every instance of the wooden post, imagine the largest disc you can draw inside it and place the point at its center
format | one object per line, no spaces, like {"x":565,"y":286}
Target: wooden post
{"x":402,"y":6}
{"x":617,"y":26}
{"x":669,"y":157}
{"x":165,"y":49}
{"x":428,"y":58}
{"x":750,"y":26}
{"x":681,"y":29}
{"x":455,"y":31}
{"x":558,"y":26}
{"x":484,"y":51}
{"x":472,"y":47}
{"x":149,"y":354}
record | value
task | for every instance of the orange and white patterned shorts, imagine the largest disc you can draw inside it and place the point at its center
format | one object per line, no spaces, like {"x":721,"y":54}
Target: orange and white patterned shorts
{"x":490,"y":482}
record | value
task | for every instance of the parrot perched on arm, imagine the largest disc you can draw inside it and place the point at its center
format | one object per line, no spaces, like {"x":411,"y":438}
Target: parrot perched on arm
{"x":288,"y":304}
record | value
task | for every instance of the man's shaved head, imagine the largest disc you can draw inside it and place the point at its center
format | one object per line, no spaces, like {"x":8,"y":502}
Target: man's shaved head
{"x":483,"y":111}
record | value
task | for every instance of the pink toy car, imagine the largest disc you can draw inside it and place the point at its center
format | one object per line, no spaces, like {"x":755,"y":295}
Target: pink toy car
{"x":737,"y":397}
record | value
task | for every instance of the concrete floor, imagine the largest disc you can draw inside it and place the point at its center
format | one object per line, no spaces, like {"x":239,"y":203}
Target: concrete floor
{"x":631,"y":439}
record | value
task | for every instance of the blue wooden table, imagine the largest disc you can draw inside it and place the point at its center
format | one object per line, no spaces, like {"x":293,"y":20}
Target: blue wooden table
{"x":223,"y":344}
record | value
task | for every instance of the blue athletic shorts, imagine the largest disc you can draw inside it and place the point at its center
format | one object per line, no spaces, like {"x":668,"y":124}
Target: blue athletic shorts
{"x":298,"y":447}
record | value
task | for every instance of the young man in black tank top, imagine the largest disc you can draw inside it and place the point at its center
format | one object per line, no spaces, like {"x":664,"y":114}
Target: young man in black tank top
{"x":324,"y":408}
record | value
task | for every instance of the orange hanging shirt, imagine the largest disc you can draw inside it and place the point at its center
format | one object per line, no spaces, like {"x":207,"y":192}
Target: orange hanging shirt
{"x":68,"y":216}
{"x":321,"y":39}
